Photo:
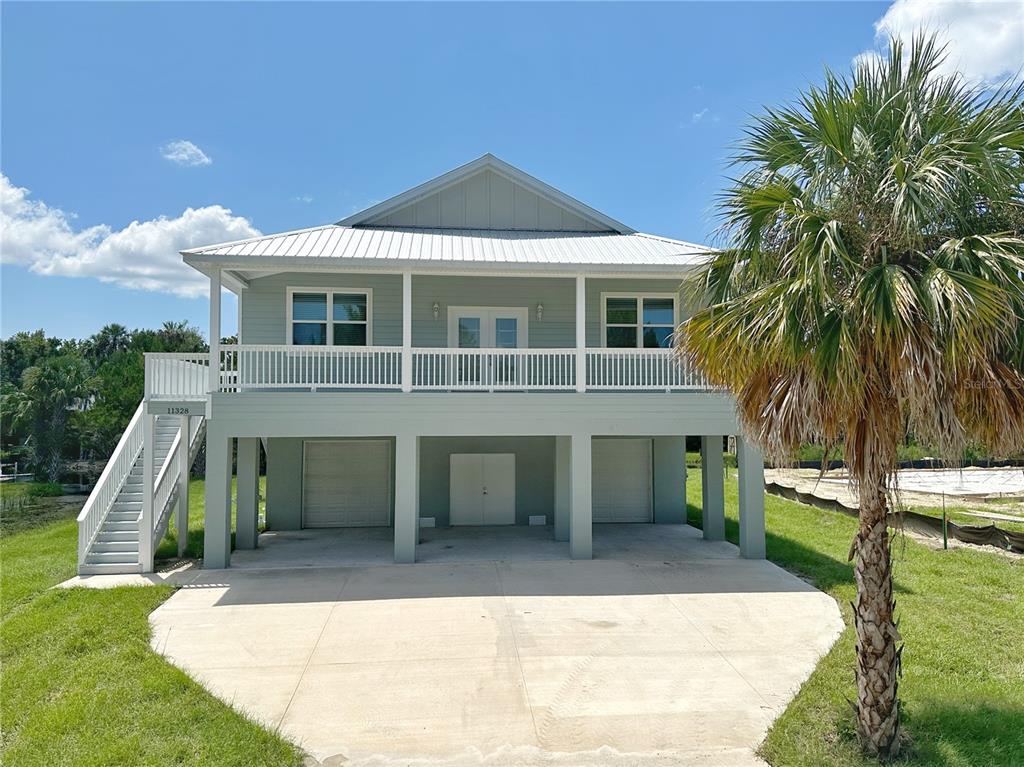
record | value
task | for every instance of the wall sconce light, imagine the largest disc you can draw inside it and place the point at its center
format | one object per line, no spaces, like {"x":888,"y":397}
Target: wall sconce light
{"x":540,"y":312}
{"x":437,"y":310}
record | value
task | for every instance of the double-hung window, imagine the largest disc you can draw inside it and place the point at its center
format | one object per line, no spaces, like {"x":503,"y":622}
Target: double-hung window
{"x":339,"y":317}
{"x":638,"y":321}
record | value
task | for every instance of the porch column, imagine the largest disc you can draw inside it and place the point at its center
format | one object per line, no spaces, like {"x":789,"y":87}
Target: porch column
{"x":712,"y":487}
{"x":214,"y":331}
{"x":581,"y":519}
{"x":581,"y":333}
{"x":217,"y":531}
{"x":148,"y":479}
{"x":181,"y":519}
{"x":407,"y":497}
{"x":406,"y":331}
{"x":751,"y":486}
{"x":247,"y":513}
{"x":563,"y":487}
{"x":670,"y":480}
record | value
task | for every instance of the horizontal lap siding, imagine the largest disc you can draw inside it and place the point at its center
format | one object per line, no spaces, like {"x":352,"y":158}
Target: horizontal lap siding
{"x":554,"y":331}
{"x":264,"y":309}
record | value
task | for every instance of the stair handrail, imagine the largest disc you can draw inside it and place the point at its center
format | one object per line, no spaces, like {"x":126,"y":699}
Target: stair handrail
{"x":166,"y":486}
{"x":108,"y":486}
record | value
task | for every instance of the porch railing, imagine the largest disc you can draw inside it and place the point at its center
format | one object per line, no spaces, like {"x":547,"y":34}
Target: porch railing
{"x":494,"y":369}
{"x":310,"y":368}
{"x":640,"y":369}
{"x":251,"y":367}
{"x":182,"y":376}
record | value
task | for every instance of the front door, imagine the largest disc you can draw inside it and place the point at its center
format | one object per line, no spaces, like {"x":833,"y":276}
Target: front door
{"x":482,"y":489}
{"x":486,"y":328}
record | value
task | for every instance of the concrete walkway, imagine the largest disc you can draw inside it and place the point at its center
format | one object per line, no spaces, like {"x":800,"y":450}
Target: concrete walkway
{"x":662,"y":650}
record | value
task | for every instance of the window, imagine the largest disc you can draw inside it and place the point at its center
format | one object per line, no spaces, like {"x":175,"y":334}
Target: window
{"x":329,"y":317}
{"x":639,"y":321}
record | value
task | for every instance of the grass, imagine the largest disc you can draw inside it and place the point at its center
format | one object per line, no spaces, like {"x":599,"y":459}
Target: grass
{"x":956,"y":514}
{"x":961,"y":616}
{"x":168,"y":548}
{"x":81,"y":685}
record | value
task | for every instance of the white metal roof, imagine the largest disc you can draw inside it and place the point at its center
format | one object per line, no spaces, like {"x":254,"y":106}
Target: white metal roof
{"x":335,"y":243}
{"x":381,"y":239}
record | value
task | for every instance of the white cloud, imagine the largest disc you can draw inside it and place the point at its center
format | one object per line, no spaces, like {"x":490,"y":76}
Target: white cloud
{"x":698,"y":116}
{"x":985,"y":37}
{"x":303,"y":198}
{"x":184,"y":153}
{"x":142,"y":256}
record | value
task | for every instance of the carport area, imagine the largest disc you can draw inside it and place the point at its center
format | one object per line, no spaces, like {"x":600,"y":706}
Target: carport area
{"x":663,"y":649}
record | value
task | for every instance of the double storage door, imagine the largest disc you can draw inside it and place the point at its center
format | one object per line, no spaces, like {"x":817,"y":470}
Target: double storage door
{"x":482,"y":489}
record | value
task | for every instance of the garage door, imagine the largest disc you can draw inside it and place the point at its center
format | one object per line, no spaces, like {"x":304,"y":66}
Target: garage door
{"x":622,"y":480}
{"x":346,"y":483}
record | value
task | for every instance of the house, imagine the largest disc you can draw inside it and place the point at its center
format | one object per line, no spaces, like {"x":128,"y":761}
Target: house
{"x":482,"y":349}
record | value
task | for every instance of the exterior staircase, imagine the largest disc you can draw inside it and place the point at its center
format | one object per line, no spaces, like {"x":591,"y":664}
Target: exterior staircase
{"x":112,"y":520}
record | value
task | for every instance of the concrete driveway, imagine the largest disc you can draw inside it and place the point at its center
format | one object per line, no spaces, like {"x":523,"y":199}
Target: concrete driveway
{"x":632,"y":658}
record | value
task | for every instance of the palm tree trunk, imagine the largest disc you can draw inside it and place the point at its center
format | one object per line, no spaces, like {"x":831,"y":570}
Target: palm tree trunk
{"x":878,"y":648}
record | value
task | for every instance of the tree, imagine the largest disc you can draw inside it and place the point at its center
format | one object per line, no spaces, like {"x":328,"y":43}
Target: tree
{"x":870,"y":284}
{"x":23,"y":350}
{"x":49,"y":393}
{"x":110,"y":340}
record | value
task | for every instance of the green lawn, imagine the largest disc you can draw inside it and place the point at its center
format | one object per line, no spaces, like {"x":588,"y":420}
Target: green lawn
{"x":962,"y":617}
{"x":81,"y":685}
{"x":956,"y":514}
{"x":168,"y":548}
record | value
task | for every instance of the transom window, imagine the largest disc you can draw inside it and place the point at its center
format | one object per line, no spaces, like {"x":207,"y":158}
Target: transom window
{"x":339,"y":317}
{"x":638,"y":321}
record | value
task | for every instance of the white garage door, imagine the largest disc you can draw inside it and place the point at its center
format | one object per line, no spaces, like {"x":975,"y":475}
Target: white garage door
{"x":346,"y":483}
{"x":622,"y":480}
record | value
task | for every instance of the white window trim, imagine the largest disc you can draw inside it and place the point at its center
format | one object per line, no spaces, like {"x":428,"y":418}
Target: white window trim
{"x":329,"y":292}
{"x":639,"y":313}
{"x":521,"y":313}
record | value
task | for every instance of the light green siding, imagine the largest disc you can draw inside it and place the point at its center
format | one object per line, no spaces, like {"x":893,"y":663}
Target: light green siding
{"x":284,"y":484}
{"x":554,"y":331}
{"x":264,"y":312}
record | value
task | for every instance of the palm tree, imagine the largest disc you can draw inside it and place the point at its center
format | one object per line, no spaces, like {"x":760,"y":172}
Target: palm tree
{"x":49,"y":393}
{"x":871,"y":284}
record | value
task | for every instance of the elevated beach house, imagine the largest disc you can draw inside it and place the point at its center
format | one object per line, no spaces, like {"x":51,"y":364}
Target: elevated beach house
{"x":480,"y":350}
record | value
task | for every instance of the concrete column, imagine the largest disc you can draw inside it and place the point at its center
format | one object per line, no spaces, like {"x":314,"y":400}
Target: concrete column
{"x":581,"y":333}
{"x":248,"y":507}
{"x":217,"y":532}
{"x":581,"y":513}
{"x":751,"y":486}
{"x":181,"y":519}
{"x":670,"y":480}
{"x":148,"y":481}
{"x":214,"y":384}
{"x":406,"y":331}
{"x":712,"y":487}
{"x":563,"y":487}
{"x":407,"y":497}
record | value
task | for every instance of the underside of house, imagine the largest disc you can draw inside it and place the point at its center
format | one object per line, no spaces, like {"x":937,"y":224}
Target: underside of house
{"x":482,"y":350}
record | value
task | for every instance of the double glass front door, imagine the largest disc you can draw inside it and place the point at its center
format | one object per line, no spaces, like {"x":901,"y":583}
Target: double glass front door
{"x":477,"y":328}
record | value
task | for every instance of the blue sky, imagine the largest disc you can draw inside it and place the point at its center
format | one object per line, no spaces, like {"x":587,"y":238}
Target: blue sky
{"x":309,"y":112}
